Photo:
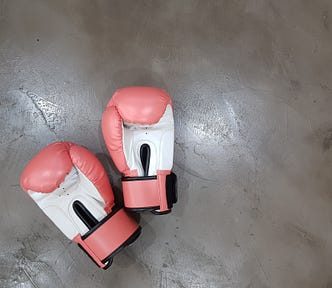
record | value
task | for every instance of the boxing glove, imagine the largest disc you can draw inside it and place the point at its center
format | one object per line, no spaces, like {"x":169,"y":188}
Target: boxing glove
{"x":138,"y":129}
{"x":71,"y":187}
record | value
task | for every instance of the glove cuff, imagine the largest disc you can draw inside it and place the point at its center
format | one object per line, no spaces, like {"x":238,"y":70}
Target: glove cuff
{"x":116,"y":231}
{"x":156,"y":193}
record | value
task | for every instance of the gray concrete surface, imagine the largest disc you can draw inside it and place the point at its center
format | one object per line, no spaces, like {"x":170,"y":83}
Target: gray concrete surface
{"x":252,"y":87}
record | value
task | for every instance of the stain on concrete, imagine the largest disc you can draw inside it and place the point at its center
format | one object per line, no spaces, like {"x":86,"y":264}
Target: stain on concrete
{"x":326,"y":20}
{"x":303,"y":235}
{"x":327,"y":141}
{"x":296,"y":85}
{"x":51,"y":113}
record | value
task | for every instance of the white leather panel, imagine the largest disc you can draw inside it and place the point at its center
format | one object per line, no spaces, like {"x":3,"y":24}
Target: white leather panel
{"x":58,"y":205}
{"x":160,"y":138}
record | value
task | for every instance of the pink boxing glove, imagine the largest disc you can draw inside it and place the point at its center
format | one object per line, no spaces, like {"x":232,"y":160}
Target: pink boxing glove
{"x":138,"y":129}
{"x":71,"y":187}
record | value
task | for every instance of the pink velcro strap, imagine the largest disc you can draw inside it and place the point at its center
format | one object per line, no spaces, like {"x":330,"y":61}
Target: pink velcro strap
{"x":102,"y":242}
{"x":145,"y":193}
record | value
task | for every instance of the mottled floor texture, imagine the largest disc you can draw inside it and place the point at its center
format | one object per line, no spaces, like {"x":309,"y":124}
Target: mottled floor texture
{"x":252,"y":87}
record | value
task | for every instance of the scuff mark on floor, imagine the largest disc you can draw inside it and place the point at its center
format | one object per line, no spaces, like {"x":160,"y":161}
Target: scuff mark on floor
{"x":51,"y":113}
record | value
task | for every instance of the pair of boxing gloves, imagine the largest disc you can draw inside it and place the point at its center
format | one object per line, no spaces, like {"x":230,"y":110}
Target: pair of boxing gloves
{"x":71,"y":186}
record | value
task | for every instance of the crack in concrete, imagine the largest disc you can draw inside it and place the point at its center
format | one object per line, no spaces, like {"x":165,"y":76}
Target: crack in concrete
{"x":30,"y":278}
{"x":193,"y":173}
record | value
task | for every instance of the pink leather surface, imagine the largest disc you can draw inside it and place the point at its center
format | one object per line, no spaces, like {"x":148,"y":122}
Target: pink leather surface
{"x":141,"y":194}
{"x":78,"y":239}
{"x":140,"y":105}
{"x":48,"y":169}
{"x":146,"y":193}
{"x":91,"y":167}
{"x":161,"y":176}
{"x":112,"y":130}
{"x":112,"y":234}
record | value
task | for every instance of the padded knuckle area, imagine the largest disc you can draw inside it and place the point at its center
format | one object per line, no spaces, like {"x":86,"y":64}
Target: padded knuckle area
{"x":48,"y":168}
{"x":141,"y":105}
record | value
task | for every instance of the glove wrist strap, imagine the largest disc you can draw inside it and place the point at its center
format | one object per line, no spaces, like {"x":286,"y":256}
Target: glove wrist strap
{"x":157,"y":193}
{"x":108,"y":237}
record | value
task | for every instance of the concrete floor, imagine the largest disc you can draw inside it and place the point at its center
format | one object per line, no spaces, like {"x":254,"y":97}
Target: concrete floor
{"x":252,"y":86}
